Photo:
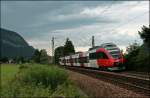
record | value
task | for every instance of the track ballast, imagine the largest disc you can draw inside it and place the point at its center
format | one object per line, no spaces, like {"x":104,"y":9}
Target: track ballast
{"x":140,"y":85}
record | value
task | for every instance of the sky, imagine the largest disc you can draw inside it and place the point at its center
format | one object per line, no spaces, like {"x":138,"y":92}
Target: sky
{"x":108,"y":21}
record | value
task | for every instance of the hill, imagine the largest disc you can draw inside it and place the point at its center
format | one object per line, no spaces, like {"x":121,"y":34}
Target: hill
{"x":13,"y":45}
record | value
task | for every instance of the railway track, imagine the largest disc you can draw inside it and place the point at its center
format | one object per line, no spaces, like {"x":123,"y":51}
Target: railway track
{"x":137,"y":74}
{"x":138,"y":84}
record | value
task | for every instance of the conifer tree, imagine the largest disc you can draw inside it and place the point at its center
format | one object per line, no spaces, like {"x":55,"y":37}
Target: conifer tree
{"x":68,"y":47}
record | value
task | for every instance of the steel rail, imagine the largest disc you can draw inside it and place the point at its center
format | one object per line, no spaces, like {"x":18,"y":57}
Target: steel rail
{"x":141,"y":75}
{"x":137,"y":84}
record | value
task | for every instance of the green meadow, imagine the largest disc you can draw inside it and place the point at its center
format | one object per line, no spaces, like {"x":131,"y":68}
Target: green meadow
{"x":8,"y":71}
{"x":36,"y":80}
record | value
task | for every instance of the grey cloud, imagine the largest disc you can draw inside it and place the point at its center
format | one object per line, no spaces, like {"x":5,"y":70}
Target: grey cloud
{"x":34,"y":19}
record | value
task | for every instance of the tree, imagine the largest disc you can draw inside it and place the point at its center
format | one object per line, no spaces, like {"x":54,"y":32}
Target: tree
{"x":36,"y":56}
{"x":59,"y":52}
{"x":19,"y":59}
{"x":137,"y":57}
{"x":145,"y":35}
{"x":130,"y":56}
{"x":133,"y":48}
{"x":43,"y":57}
{"x":68,"y":47}
{"x":4,"y":59}
{"x":40,"y":56}
{"x":144,"y":53}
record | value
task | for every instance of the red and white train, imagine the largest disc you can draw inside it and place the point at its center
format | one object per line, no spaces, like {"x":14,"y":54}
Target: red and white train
{"x":107,"y":56}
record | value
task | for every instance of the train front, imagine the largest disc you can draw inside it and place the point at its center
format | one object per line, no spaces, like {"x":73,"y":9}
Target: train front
{"x":115,"y":56}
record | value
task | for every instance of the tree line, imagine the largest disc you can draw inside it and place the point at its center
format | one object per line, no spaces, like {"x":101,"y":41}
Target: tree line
{"x":137,"y":57}
{"x":39,"y":56}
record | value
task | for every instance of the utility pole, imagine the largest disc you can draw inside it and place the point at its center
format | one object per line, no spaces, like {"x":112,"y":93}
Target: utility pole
{"x":53,"y":50}
{"x":93,"y":42}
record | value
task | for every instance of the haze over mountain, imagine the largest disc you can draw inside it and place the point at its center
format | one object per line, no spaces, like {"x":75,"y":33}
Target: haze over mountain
{"x":13,"y":45}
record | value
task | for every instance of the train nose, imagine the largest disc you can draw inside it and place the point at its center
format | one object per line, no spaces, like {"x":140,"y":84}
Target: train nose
{"x":116,"y":63}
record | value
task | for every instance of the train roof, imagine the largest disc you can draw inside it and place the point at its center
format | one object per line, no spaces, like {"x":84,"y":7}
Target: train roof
{"x":78,"y":52}
{"x":107,"y":46}
{"x":104,"y":45}
{"x":95,"y":47}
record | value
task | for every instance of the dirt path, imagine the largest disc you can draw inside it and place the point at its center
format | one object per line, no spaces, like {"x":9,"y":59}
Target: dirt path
{"x":100,"y":89}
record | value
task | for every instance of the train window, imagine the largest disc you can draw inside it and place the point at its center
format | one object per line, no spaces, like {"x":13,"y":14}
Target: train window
{"x":63,"y":60}
{"x":86,"y":60}
{"x":78,"y":60}
{"x":71,"y":60}
{"x":101,"y":55}
{"x":92,"y":56}
{"x":75,"y":60}
{"x":83,"y":60}
{"x":114,"y":52}
{"x":116,"y":56}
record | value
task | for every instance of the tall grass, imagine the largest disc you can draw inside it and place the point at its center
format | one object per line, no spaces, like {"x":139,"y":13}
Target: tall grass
{"x":40,"y":81}
{"x":46,"y":76}
{"x":7,"y":72}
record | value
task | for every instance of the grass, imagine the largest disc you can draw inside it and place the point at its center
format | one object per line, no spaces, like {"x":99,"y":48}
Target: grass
{"x":8,"y":71}
{"x":36,"y":80}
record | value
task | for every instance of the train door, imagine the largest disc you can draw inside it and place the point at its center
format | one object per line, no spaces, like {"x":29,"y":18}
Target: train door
{"x":81,"y":60}
{"x":85,"y":59}
{"x":77,"y":60}
{"x":64,"y":61}
{"x":71,"y":61}
{"x":92,"y":60}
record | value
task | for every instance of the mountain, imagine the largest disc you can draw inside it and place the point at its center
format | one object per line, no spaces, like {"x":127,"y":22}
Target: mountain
{"x":13,"y":45}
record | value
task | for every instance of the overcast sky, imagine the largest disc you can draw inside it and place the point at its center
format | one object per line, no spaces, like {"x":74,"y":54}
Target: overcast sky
{"x":109,"y":21}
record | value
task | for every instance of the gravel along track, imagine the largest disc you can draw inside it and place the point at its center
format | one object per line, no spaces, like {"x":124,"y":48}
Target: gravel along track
{"x":96,"y":88}
{"x":137,"y":85}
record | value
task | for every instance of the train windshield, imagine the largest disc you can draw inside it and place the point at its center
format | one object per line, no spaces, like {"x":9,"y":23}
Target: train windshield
{"x":114,"y":51}
{"x":101,"y":55}
{"x":111,"y":45}
{"x":115,"y":54}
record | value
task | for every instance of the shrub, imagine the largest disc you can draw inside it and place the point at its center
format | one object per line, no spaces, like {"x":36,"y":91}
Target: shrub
{"x":17,"y":90}
{"x":23,"y":67}
{"x":42,"y":74}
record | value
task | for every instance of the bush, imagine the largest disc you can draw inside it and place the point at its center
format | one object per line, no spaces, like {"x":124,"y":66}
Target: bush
{"x":42,"y":74}
{"x":17,"y":90}
{"x":138,"y":59}
{"x":23,"y":67}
